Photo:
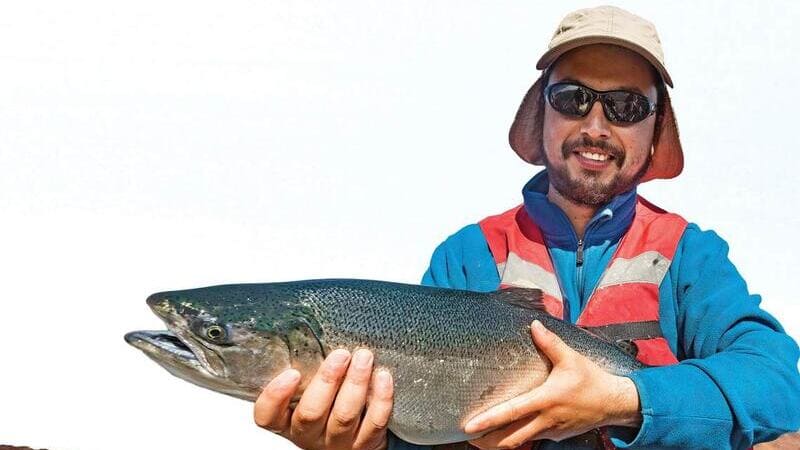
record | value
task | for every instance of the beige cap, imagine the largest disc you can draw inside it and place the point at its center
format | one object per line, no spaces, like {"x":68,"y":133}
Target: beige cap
{"x":601,"y":25}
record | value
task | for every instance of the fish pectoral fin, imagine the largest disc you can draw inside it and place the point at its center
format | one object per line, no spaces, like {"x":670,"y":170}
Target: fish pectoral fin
{"x":522,"y":297}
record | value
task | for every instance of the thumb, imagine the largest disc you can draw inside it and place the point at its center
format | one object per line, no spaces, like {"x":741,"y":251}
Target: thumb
{"x":549,"y":343}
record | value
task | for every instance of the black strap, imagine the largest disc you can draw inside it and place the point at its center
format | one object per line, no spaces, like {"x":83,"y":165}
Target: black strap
{"x":629,"y":331}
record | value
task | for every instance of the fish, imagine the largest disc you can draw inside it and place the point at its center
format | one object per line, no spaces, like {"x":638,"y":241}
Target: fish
{"x":451,"y":353}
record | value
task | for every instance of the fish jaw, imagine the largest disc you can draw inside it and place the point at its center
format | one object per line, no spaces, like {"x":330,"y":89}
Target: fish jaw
{"x":171,"y":353}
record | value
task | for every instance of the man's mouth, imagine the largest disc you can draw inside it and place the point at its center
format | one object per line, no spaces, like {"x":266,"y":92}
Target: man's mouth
{"x":594,"y":158}
{"x":593,"y":155}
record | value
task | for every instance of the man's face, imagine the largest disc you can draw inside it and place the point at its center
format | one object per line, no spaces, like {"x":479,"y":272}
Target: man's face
{"x":590,"y":159}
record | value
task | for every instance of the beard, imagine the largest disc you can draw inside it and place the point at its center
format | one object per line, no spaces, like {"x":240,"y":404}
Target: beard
{"x":587,"y":188}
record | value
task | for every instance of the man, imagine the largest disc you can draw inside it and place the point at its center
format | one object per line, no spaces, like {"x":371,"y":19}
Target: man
{"x":600,"y":120}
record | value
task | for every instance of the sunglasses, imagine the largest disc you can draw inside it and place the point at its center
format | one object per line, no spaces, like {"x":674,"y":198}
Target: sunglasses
{"x":573,"y":99}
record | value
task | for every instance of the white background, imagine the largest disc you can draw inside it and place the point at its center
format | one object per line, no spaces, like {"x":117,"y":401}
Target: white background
{"x":156,"y":145}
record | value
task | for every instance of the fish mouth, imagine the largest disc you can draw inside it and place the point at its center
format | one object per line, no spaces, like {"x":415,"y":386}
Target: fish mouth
{"x":173,"y":354}
{"x":167,"y":349}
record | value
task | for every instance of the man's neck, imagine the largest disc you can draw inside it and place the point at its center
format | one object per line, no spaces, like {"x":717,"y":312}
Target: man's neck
{"x":578,"y":214}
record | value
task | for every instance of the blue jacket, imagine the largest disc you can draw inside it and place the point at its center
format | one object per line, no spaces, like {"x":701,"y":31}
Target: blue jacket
{"x":737,"y":381}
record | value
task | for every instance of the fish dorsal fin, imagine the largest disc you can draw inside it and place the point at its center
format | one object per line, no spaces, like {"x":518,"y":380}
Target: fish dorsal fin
{"x":522,"y":297}
{"x":629,"y":347}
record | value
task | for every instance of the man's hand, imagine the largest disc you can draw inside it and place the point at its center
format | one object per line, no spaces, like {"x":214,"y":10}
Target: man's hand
{"x":576,"y":397}
{"x":329,"y":413}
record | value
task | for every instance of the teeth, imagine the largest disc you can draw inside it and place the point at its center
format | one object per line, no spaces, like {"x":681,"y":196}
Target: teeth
{"x":594,"y":156}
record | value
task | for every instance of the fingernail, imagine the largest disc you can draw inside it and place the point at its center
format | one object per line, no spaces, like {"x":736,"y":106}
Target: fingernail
{"x":384,"y":380}
{"x":338,"y":357}
{"x":538,"y":326}
{"x":286,"y":378}
{"x":362,"y":359}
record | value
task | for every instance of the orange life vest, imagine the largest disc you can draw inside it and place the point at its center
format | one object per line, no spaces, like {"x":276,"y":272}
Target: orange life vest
{"x":625,"y":302}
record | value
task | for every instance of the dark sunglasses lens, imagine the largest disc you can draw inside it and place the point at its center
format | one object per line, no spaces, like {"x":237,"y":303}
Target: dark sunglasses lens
{"x":570,"y":99}
{"x":626,"y":106}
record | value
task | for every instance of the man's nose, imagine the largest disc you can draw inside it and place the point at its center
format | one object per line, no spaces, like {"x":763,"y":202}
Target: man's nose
{"x":595,"y":124}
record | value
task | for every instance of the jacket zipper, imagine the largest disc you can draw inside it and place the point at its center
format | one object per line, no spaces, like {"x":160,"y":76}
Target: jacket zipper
{"x":579,"y":266}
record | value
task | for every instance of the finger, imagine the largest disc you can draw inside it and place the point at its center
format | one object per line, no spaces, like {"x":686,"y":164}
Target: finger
{"x":507,"y":412}
{"x":379,"y":409}
{"x":534,"y":428}
{"x":549,"y":343}
{"x":271,"y":410}
{"x":346,"y":413}
{"x":311,"y":414}
{"x":508,"y":437}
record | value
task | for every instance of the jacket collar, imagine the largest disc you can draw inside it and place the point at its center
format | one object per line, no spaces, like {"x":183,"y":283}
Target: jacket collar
{"x":608,"y":224}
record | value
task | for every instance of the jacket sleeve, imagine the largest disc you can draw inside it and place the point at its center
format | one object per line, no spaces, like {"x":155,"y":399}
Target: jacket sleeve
{"x":737,"y":382}
{"x":462,"y":261}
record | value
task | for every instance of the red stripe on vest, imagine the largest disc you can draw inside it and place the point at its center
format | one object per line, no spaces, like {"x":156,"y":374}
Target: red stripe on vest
{"x":613,"y":305}
{"x":514,"y":231}
{"x":652,"y":229}
{"x":651,"y":352}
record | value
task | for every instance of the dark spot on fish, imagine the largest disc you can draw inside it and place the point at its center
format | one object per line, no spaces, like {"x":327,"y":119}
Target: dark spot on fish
{"x":487,"y":392}
{"x":655,"y":262}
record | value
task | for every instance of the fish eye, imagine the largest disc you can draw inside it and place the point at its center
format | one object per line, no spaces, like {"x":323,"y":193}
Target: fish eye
{"x":215,"y":333}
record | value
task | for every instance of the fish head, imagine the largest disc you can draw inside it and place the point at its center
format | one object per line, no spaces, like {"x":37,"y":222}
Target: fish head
{"x":229,"y":342}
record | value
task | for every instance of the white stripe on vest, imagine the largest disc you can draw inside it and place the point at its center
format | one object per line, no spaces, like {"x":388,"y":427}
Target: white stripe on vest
{"x":647,"y":267}
{"x":520,"y":273}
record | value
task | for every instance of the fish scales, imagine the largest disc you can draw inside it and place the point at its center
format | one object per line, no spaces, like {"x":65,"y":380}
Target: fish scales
{"x":452,"y":353}
{"x":461,"y":349}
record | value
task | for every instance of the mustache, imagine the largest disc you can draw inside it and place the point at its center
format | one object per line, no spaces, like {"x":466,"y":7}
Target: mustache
{"x":568,"y":147}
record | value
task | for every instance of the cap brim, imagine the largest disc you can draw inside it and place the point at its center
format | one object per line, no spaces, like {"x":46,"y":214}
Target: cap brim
{"x":667,"y":161}
{"x":525,"y":135}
